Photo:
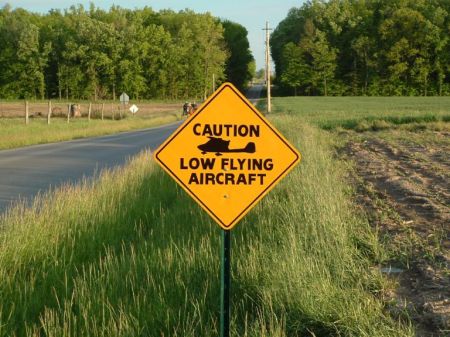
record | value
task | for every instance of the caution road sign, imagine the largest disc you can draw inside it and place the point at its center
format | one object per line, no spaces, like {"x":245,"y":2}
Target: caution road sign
{"x":133,"y":109}
{"x":227,"y":156}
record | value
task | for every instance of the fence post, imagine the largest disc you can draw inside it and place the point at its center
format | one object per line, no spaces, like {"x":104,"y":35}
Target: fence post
{"x":26,"y":113}
{"x":89,"y":112}
{"x":49,"y":114}
{"x":68,"y":113}
{"x":103,"y":108}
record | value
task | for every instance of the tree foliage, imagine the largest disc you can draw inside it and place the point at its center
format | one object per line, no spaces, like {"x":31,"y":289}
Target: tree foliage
{"x":240,"y":65}
{"x":92,"y":53}
{"x":364,"y":47}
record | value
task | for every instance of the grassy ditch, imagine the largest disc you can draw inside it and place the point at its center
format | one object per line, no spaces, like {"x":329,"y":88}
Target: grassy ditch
{"x":130,"y":254}
{"x":14,"y":133}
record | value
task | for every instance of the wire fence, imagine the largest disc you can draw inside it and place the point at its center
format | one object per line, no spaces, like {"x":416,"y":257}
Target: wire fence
{"x":94,"y":110}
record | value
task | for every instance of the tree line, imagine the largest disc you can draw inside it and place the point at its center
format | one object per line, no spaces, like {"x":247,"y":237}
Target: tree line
{"x":97,"y":54}
{"x":364,"y":47}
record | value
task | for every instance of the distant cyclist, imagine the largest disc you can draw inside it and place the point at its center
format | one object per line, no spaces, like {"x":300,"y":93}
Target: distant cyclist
{"x":193,"y":107}
{"x":186,"y":108}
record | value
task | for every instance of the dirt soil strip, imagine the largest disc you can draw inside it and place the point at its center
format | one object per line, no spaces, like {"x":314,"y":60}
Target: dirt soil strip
{"x":413,"y":182}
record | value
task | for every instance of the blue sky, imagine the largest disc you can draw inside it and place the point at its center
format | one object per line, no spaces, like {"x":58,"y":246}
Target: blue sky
{"x":252,"y":14}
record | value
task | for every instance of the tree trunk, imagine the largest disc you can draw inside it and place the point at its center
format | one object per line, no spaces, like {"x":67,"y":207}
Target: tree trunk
{"x":325,"y":85}
{"x":59,"y":83}
{"x":366,"y":79}
{"x":426,"y":86}
{"x":42,"y":89}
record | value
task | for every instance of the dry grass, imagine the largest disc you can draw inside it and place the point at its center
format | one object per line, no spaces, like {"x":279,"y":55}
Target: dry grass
{"x":14,"y":133}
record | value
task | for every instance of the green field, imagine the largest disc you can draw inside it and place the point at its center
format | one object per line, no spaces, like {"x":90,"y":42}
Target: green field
{"x":15,"y":133}
{"x":366,"y":113}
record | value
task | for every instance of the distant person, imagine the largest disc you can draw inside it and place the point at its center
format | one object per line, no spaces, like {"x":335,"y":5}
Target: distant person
{"x":186,"y":111}
{"x":194,"y":107}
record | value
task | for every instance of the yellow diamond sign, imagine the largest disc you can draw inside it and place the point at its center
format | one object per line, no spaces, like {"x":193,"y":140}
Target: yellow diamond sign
{"x":227,"y":156}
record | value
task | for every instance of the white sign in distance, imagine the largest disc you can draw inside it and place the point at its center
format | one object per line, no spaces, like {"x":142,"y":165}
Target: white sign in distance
{"x":134,"y":109}
{"x":124,"y":98}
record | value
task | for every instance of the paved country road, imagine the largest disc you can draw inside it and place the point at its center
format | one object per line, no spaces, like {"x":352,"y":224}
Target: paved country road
{"x":254,"y":93}
{"x":27,"y":171}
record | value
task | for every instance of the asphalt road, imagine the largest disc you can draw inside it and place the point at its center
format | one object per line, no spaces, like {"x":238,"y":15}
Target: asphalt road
{"x":254,"y":93}
{"x":25,"y":172}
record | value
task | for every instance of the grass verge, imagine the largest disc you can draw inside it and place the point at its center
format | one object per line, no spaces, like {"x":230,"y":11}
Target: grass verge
{"x":14,"y":133}
{"x":130,"y":254}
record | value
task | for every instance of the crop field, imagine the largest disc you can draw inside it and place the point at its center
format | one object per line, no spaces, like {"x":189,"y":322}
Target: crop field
{"x":366,"y":113}
{"x":400,"y":150}
{"x":130,"y":254}
{"x":15,"y":133}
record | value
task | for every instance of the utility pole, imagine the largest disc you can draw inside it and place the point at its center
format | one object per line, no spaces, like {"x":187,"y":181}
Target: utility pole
{"x":269,"y":104}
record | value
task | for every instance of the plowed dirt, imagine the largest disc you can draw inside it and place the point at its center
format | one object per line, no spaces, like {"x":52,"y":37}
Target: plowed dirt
{"x":404,"y":187}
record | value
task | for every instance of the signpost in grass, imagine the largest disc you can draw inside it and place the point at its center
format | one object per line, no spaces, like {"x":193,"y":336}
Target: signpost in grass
{"x":227,"y":157}
{"x":124,"y":99}
{"x":133,"y":109}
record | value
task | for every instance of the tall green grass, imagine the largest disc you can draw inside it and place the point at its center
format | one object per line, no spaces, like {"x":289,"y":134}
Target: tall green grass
{"x":14,"y":133}
{"x":130,"y":254}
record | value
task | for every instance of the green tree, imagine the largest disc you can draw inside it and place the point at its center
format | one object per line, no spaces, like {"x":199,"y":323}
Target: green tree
{"x":95,"y":53}
{"x":238,"y":70}
{"x":296,"y":72}
{"x":318,"y":60}
{"x":288,"y":30}
{"x":210,"y":50}
{"x":33,"y":59}
{"x":23,"y":57}
{"x":364,"y":48}
{"x":324,"y":61}
{"x":377,"y":47}
{"x":259,"y":75}
{"x":409,"y":38}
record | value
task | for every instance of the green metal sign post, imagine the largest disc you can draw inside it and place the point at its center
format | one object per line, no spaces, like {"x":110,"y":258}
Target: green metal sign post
{"x":225,"y":281}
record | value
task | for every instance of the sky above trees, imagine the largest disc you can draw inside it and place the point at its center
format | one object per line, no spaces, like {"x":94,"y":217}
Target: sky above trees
{"x":252,"y":14}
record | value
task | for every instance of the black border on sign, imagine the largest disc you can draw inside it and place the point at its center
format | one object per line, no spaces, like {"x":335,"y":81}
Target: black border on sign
{"x":257,"y":113}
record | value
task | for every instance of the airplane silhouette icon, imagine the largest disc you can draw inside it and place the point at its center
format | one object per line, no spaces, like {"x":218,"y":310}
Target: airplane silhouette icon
{"x":220,"y":146}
